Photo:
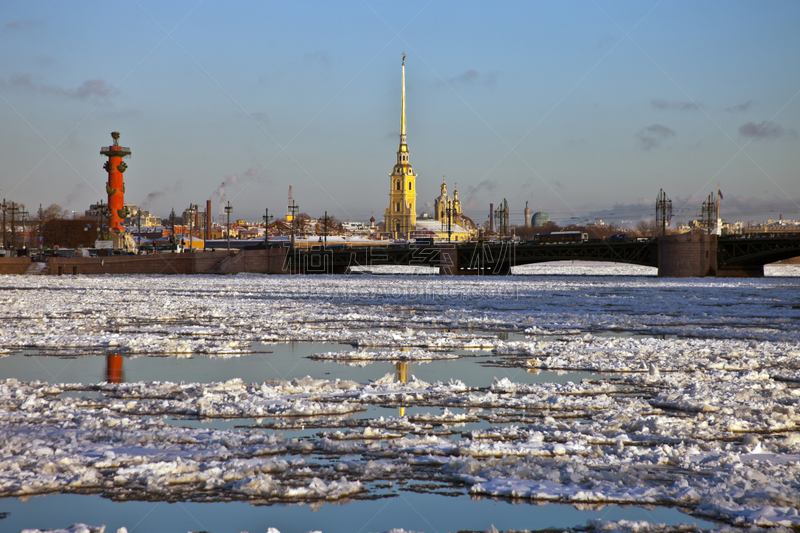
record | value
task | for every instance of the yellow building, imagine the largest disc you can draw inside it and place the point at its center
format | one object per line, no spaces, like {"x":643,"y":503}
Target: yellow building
{"x":401,"y":215}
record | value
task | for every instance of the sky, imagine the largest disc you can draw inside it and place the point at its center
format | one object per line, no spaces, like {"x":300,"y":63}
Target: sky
{"x":584,"y":109}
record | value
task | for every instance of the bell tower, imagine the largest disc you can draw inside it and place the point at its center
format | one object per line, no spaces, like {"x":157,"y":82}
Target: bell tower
{"x":401,"y":215}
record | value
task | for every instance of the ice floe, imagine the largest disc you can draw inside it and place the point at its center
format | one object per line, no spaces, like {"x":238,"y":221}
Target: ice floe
{"x":693,"y":400}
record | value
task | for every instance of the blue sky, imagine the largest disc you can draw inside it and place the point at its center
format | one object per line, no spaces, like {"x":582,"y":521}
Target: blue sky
{"x":583,"y":108}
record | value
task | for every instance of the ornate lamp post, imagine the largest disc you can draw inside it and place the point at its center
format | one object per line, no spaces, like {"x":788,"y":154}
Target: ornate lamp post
{"x":228,"y":209}
{"x":266,"y":218}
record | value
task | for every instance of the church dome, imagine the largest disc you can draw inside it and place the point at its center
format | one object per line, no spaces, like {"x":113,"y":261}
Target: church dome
{"x":540,"y":218}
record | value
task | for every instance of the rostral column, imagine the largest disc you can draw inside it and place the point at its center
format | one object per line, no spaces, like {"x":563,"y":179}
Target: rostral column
{"x":115,"y":187}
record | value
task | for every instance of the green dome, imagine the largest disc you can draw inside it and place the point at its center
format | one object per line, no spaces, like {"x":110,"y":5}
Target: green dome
{"x":539,"y":219}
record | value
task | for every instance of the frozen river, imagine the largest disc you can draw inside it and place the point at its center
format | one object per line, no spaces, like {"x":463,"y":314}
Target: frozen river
{"x":567,"y":396}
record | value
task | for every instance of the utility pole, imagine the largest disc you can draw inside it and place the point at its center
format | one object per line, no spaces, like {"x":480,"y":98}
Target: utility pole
{"x":449,"y":220}
{"x":228,"y":209}
{"x":293,"y":208}
{"x":172,"y":223}
{"x":505,"y":218}
{"x":40,"y":245}
{"x":709,"y":212}
{"x":139,"y":235}
{"x":14,"y":208}
{"x":24,"y":214}
{"x":326,"y":230}
{"x":191,"y":220}
{"x":663,"y":211}
{"x":4,"y":223}
{"x":266,"y":218}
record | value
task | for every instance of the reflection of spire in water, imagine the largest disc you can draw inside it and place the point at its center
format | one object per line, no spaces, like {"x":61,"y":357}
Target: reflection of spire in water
{"x":114,"y":368}
{"x":402,"y":377}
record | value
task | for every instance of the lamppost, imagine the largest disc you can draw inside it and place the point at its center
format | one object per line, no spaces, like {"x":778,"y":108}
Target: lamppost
{"x":266,"y":218}
{"x":14,"y":208}
{"x":102,"y":214}
{"x":228,"y":209}
{"x":191,"y":219}
{"x":172,"y":223}
{"x":293,"y":208}
{"x":40,"y":246}
{"x":4,"y":223}
{"x":24,"y":215}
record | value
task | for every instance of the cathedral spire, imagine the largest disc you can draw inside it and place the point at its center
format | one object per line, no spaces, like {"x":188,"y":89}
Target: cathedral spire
{"x":403,"y":107}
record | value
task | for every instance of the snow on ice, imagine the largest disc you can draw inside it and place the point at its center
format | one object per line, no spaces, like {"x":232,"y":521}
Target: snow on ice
{"x":694,"y":400}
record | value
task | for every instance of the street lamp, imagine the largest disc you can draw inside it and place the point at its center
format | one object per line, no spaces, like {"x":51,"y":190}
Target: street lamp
{"x":5,"y":207}
{"x":266,"y":218}
{"x":172,"y":223}
{"x":228,"y":209}
{"x":191,"y":219}
{"x":24,"y":214}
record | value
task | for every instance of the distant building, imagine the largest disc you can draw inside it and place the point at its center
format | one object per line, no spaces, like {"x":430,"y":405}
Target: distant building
{"x":540,"y":218}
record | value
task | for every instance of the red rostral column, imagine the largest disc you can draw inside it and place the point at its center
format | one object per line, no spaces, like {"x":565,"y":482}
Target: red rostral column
{"x":115,"y":187}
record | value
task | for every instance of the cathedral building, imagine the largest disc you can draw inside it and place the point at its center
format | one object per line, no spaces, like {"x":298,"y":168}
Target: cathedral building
{"x":401,"y":215}
{"x":443,"y":203}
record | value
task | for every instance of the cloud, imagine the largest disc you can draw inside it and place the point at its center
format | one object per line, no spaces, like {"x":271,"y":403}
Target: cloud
{"x":666,"y":105}
{"x":155,"y":195}
{"x":741,"y":107}
{"x":736,"y":207}
{"x":260,"y":116}
{"x":652,"y":136}
{"x":320,"y":58}
{"x":605,"y":42}
{"x":234,"y":181}
{"x":765,"y":130}
{"x":474,"y":193}
{"x":90,"y":89}
{"x":23,"y":24}
{"x":79,"y":193}
{"x":472,"y":77}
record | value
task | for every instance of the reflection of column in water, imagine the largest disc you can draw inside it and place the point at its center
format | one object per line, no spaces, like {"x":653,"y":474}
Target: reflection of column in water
{"x":114,"y":368}
{"x":402,"y":377}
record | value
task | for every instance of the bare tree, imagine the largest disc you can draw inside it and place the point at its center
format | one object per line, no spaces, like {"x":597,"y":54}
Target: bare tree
{"x":646,"y":228}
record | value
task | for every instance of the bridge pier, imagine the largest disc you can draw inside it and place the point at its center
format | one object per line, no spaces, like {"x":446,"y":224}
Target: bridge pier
{"x":687,"y":255}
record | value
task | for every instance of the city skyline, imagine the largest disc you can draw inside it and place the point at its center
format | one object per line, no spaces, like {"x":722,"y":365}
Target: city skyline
{"x":584,"y":109}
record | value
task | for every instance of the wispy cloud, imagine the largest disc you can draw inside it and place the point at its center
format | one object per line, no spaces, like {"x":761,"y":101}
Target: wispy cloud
{"x":472,"y":77}
{"x":155,"y":195}
{"x":320,"y":58}
{"x":666,"y":105}
{"x":605,"y":42}
{"x":652,"y":136}
{"x":483,"y":189}
{"x":79,"y":194}
{"x":236,"y":181}
{"x":766,"y":130}
{"x":260,"y":116}
{"x":23,"y":24}
{"x":741,"y":107}
{"x":90,"y":89}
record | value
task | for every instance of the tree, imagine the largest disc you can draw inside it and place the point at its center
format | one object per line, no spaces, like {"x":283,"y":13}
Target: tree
{"x":70,"y":232}
{"x":647,"y":228}
{"x":53,"y":211}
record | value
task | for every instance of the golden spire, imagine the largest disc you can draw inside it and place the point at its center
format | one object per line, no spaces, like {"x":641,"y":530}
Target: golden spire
{"x":403,"y":105}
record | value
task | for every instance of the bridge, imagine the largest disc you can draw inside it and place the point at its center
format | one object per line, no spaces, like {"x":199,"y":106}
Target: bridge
{"x":673,"y":255}
{"x":684,"y":255}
